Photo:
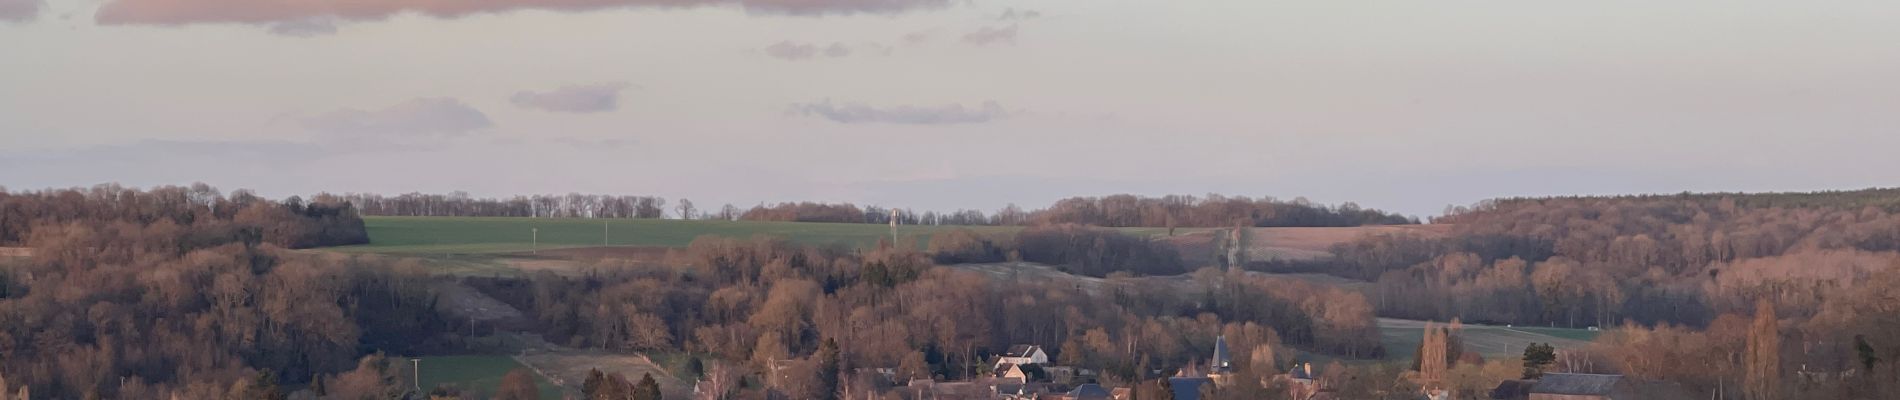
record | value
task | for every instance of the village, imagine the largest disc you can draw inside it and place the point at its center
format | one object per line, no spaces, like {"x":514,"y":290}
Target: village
{"x":1026,"y":372}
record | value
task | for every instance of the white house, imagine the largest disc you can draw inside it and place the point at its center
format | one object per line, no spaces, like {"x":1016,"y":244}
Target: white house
{"x":1024,"y":354}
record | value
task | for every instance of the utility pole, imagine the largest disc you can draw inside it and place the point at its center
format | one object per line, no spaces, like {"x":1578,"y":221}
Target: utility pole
{"x":603,"y":232}
{"x":416,"y":373}
{"x":534,"y":247}
{"x":893,"y":227}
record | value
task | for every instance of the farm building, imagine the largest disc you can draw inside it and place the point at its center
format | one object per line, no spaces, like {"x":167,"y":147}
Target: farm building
{"x":1580,"y":387}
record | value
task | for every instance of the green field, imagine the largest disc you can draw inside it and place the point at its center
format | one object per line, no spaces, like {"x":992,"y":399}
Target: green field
{"x":476,"y":373}
{"x":478,"y":235}
{"x":1401,"y":338}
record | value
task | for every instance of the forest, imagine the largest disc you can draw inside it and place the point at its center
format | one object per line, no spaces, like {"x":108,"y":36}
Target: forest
{"x":1675,"y":280}
{"x":186,"y":292}
{"x":183,"y":292}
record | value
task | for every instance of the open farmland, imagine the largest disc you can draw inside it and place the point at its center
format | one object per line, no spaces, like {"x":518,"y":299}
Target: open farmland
{"x":1286,"y":244}
{"x":477,"y":373}
{"x":1401,"y":338}
{"x":484,"y":235}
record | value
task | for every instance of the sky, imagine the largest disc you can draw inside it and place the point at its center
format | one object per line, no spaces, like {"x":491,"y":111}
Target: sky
{"x":953,"y":104}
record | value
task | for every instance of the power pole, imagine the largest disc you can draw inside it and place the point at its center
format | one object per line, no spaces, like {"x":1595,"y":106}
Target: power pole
{"x":893,"y":228}
{"x":416,"y":373}
{"x":534,"y":247}
{"x":603,"y":232}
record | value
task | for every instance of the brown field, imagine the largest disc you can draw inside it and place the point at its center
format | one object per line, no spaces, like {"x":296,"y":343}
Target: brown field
{"x":1197,"y":247}
{"x":466,"y":302}
{"x":568,"y":368}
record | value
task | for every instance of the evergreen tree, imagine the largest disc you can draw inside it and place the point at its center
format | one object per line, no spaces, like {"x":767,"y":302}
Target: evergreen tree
{"x":647,"y":389}
{"x":828,"y":369}
{"x":1537,"y":357}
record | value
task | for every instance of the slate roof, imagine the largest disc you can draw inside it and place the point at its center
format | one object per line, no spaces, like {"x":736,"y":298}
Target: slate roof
{"x":1089,"y":391}
{"x":1221,"y":361}
{"x":1187,"y":388}
{"x":1576,"y":384}
{"x":1021,"y":350}
{"x":1513,"y":390}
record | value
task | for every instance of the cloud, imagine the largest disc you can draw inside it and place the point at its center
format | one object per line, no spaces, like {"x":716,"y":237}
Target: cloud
{"x":19,"y":10}
{"x":306,"y":27}
{"x":182,"y":12}
{"x":988,"y":36}
{"x":594,"y":144}
{"x":419,"y":117}
{"x":904,"y":114}
{"x":1012,"y":14}
{"x":916,"y":38}
{"x":787,"y":50}
{"x":594,"y":98}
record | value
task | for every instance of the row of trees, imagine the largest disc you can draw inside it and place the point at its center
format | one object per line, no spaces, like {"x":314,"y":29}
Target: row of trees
{"x":1120,"y":210}
{"x":184,"y":218}
{"x":1075,"y":249}
{"x":459,"y":204}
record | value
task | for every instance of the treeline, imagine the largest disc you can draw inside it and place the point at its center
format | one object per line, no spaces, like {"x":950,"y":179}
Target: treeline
{"x":183,"y":293}
{"x":769,"y":305}
{"x":1071,"y":248}
{"x":1215,"y":210}
{"x":189,"y":217}
{"x":1120,"y":210}
{"x":459,"y":204}
{"x":1883,"y":198}
{"x":1687,"y":271}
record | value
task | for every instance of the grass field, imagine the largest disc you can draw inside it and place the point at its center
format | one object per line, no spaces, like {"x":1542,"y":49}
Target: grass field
{"x":477,"y":373}
{"x":1401,"y":338}
{"x":477,"y":235}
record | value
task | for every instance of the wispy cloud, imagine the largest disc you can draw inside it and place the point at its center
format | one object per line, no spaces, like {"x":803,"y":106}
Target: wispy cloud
{"x":788,"y":50}
{"x":904,"y":114}
{"x":419,"y":117}
{"x":19,"y":10}
{"x":593,"y":98}
{"x":795,"y":51}
{"x":989,"y":35}
{"x":181,"y":12}
{"x":1012,"y":14}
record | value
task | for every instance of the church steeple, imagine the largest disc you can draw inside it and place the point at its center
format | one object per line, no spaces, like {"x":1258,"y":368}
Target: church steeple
{"x":1221,"y":363}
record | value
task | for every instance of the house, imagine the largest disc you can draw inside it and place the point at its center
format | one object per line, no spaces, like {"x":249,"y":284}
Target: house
{"x":1011,"y":391}
{"x":1300,"y":381}
{"x":1010,"y":373}
{"x":1187,"y":388}
{"x":1024,"y":354}
{"x":1090,"y":391}
{"x":1580,"y":387}
{"x":1600,"y":387}
{"x":1519,"y":389}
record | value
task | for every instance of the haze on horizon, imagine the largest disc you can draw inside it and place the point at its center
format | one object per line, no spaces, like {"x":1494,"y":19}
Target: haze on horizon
{"x":938,"y":104}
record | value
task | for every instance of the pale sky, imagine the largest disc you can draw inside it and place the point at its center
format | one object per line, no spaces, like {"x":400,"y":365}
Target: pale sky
{"x":946,"y":104}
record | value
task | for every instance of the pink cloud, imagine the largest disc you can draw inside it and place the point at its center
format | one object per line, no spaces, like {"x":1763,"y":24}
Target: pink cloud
{"x":181,"y":12}
{"x":19,"y":10}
